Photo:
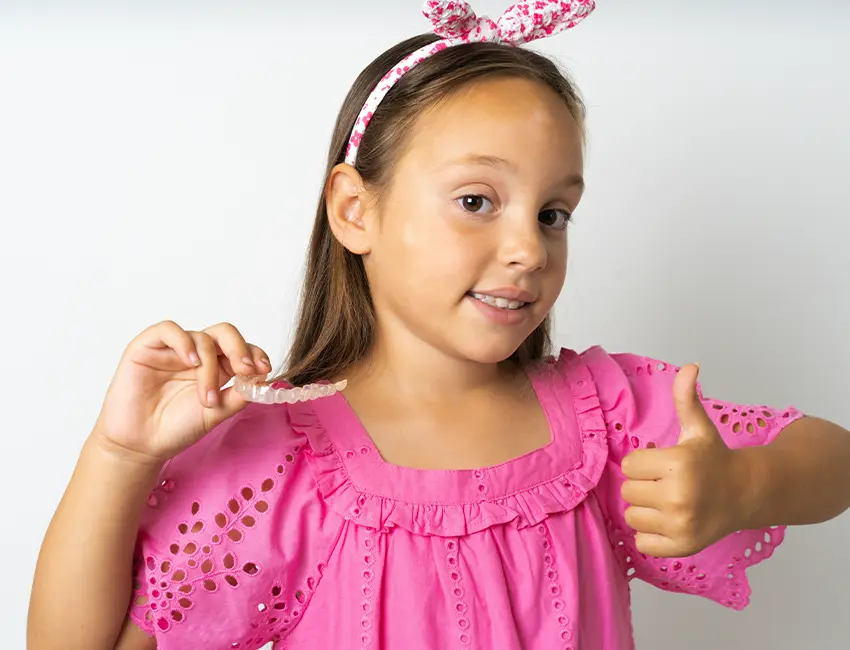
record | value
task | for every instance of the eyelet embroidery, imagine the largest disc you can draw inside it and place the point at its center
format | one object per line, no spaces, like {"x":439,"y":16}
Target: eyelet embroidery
{"x":167,"y":595}
{"x":276,"y":616}
{"x":649,"y":367}
{"x":752,"y":420}
{"x":683,"y":576}
{"x":460,"y":607}
{"x":367,"y":606}
{"x":555,"y":590}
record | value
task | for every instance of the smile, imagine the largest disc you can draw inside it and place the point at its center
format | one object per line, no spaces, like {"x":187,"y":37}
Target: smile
{"x":500,"y":303}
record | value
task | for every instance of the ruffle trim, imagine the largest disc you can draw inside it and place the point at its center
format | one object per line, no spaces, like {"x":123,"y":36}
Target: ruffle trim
{"x":526,"y":507}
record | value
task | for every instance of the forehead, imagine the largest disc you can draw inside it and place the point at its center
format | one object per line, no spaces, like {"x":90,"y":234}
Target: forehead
{"x":520,"y":120}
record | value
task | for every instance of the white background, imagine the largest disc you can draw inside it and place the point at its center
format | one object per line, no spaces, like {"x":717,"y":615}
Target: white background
{"x":162,"y":160}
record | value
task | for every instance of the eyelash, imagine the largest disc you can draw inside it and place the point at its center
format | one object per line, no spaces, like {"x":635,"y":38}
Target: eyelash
{"x":567,"y":216}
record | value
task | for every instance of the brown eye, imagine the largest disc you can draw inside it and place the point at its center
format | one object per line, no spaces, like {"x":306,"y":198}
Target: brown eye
{"x":554,"y":218}
{"x":473,"y":202}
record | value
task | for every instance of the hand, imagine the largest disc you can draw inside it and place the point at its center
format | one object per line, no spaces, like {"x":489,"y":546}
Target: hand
{"x":166,"y":393}
{"x":687,"y":497}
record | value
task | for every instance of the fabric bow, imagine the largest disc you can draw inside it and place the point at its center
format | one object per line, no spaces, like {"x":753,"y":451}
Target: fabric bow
{"x":520,"y":23}
{"x":456,"y":23}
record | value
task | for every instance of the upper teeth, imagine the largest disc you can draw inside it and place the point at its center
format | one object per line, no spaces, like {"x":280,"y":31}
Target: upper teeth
{"x":501,"y":303}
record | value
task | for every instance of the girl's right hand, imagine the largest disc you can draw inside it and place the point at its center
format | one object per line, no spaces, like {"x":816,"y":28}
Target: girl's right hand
{"x":166,"y":393}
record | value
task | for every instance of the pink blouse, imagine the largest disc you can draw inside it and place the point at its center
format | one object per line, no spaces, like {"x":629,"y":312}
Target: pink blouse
{"x":284,"y":524}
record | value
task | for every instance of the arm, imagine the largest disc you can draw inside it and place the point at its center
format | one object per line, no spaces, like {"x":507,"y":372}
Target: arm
{"x":87,"y":555}
{"x":165,"y":397}
{"x":686,"y":497}
{"x":802,"y":477}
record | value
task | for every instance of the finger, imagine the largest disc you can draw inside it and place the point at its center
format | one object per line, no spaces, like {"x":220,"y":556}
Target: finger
{"x":207,"y":373}
{"x":645,"y":520}
{"x":261,"y":359}
{"x":168,"y":336}
{"x":656,"y":545}
{"x":230,"y":403}
{"x":233,"y":347}
{"x":649,"y":494}
{"x":261,"y":363}
{"x":693,"y":419}
{"x":646,"y":464}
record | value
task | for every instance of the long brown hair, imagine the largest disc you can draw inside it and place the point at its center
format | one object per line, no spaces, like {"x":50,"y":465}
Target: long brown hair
{"x":336,"y":319}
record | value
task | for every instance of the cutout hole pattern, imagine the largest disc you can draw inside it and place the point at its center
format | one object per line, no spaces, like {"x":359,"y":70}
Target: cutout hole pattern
{"x":556,"y":593}
{"x":727,"y":586}
{"x":464,"y":631}
{"x":753,"y":421}
{"x":165,"y":588}
{"x":367,"y":589}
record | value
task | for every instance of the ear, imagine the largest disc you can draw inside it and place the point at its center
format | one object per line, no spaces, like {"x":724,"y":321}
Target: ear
{"x":346,"y":201}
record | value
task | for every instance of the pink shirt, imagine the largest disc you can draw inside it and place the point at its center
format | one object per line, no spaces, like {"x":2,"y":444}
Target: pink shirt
{"x":284,"y":524}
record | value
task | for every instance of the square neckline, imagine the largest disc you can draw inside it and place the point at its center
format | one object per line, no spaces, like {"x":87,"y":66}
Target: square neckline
{"x":371,"y":473}
{"x":361,"y":432}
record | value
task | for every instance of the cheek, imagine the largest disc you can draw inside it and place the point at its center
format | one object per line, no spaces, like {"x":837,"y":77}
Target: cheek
{"x":429,"y":244}
{"x":556,"y":270}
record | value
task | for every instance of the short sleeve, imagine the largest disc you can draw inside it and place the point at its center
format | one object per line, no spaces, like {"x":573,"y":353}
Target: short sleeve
{"x":636,"y":397}
{"x":232,"y":537}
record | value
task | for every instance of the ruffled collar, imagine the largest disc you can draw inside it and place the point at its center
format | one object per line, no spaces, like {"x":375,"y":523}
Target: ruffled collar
{"x":358,"y":484}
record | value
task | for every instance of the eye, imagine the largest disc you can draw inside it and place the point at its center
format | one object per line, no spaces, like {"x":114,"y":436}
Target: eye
{"x":555,"y":218}
{"x":474,"y":202}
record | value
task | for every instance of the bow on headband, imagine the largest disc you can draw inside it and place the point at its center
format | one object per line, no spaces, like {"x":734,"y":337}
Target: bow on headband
{"x":456,"y":23}
{"x":521,"y":23}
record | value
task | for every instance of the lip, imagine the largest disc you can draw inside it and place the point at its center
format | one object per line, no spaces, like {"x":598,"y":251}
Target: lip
{"x":508,"y":293}
{"x":505,"y":317}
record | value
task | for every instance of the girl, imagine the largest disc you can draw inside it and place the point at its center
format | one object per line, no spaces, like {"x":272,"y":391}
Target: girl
{"x":468,"y":490}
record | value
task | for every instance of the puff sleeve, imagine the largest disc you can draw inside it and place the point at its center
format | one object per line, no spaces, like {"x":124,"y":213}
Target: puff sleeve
{"x":636,"y":397}
{"x":233,"y":537}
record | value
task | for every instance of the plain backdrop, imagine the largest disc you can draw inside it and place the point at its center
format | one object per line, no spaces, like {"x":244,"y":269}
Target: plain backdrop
{"x":163,"y":160}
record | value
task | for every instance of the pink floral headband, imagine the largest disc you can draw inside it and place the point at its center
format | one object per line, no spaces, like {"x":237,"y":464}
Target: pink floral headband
{"x":457,"y":23}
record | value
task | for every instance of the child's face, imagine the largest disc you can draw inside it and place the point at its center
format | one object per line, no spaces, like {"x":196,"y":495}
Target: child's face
{"x":478,"y":205}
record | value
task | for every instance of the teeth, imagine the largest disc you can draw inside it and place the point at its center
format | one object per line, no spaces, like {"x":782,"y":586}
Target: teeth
{"x":501,"y":303}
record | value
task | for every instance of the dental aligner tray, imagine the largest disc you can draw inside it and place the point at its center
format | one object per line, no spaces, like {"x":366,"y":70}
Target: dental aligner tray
{"x":252,"y":389}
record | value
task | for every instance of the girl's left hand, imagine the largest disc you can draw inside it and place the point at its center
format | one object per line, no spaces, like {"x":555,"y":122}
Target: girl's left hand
{"x":684,"y":498}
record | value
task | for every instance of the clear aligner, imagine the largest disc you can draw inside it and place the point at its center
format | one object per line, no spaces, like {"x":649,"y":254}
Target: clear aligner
{"x":252,"y":390}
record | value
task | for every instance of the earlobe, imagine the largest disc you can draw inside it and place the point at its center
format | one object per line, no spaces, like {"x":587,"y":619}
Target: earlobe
{"x":346,"y":214}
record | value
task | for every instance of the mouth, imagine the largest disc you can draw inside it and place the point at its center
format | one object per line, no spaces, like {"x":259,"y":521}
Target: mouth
{"x":499,"y":302}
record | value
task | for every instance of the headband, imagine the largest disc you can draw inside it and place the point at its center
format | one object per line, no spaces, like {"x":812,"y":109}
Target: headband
{"x":456,"y":23}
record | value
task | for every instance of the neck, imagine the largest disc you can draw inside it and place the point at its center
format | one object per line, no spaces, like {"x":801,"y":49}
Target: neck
{"x":415,"y":370}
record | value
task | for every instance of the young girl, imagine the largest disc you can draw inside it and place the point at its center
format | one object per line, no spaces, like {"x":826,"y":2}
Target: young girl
{"x":467,"y":490}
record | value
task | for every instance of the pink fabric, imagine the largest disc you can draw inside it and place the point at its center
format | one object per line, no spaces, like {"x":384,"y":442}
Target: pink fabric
{"x":285,"y":525}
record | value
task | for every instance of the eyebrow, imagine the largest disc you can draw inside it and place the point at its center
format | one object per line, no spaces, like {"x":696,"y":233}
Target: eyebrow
{"x":501,"y":163}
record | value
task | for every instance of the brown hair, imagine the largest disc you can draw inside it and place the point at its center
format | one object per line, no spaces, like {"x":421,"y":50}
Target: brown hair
{"x":336,"y":319}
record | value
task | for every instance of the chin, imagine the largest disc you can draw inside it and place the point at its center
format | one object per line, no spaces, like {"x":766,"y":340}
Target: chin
{"x":483,"y":350}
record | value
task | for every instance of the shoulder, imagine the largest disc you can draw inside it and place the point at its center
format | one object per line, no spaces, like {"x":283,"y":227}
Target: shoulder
{"x":633,"y":392}
{"x":243,"y":455}
{"x":616,"y":376}
{"x":612,"y":372}
{"x":210,"y":541}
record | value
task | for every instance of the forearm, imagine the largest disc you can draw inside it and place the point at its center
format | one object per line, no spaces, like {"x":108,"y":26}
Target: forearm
{"x":802,"y":477}
{"x":82,"y":580}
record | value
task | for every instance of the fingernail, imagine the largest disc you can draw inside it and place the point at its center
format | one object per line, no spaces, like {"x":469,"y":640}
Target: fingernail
{"x":266,"y":362}
{"x":212,"y":397}
{"x":193,"y":357}
{"x":248,"y":361}
{"x":696,"y":363}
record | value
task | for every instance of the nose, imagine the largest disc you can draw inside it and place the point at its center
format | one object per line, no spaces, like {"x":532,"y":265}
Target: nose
{"x":522,"y":243}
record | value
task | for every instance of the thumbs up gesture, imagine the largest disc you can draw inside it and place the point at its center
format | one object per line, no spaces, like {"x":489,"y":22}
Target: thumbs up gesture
{"x":684,"y":498}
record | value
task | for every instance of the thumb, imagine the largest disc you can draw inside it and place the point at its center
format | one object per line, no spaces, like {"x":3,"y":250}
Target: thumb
{"x":230,"y":403}
{"x":693,"y":419}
